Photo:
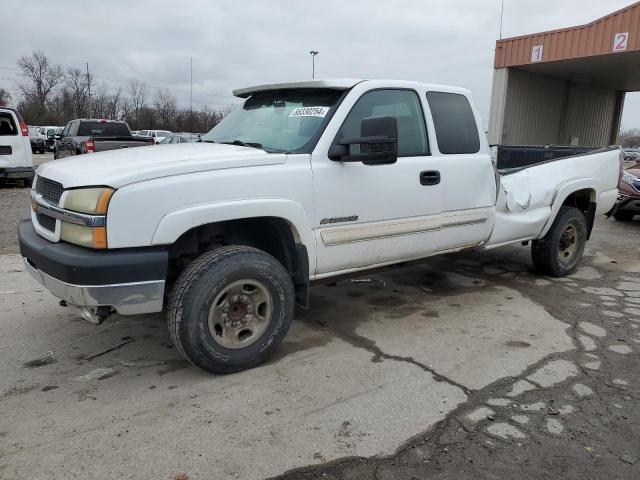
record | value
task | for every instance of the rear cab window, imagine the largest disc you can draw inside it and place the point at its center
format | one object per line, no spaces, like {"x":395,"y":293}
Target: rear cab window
{"x":8,"y":126}
{"x":103,"y":129}
{"x":454,"y":122}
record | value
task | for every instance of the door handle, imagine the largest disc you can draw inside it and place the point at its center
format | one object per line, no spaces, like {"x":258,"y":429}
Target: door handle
{"x":429,"y":177}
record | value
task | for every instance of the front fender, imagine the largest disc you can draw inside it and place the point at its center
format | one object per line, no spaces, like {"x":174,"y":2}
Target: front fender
{"x":176,"y":223}
{"x":563,"y":190}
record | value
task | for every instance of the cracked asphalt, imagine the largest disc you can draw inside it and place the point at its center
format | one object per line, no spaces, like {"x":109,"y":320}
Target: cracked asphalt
{"x":572,"y":414}
{"x":466,"y":366}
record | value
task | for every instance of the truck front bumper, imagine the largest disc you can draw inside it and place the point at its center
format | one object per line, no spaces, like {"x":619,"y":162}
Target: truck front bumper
{"x":131,"y":281}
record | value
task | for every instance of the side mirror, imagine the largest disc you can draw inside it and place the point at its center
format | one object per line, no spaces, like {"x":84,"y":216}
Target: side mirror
{"x":57,"y":136}
{"x":378,"y":143}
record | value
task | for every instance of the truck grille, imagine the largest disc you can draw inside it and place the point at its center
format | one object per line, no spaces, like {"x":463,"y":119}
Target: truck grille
{"x":50,"y":190}
{"x":46,"y":222}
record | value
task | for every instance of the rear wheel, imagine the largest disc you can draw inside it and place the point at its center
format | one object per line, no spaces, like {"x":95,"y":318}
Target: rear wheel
{"x":624,"y":215}
{"x":558,"y":252}
{"x":230,"y":309}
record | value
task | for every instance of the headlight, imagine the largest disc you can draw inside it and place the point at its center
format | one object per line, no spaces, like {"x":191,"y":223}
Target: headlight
{"x":91,"y":237}
{"x":94,"y":201}
{"x":91,"y":201}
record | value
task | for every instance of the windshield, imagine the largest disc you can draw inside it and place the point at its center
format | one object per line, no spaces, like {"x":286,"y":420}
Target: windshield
{"x":171,"y":139}
{"x":278,"y":120}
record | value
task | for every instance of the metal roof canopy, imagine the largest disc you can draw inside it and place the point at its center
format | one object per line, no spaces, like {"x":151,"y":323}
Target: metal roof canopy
{"x":619,"y":72}
{"x":595,"y":53}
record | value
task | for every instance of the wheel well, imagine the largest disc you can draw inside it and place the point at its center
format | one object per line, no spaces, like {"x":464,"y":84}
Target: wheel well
{"x":270,"y":234}
{"x":585,"y":201}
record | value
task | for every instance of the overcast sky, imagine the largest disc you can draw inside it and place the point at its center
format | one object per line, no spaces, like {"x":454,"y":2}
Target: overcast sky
{"x":236,"y":44}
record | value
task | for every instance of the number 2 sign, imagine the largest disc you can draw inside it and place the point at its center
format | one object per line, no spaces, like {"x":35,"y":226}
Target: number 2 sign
{"x":620,"y":41}
{"x":536,"y":53}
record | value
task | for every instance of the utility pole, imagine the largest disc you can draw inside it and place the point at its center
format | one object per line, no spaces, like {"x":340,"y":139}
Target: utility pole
{"x":313,"y":62}
{"x":89,"y":89}
{"x":191,"y":88}
{"x":501,"y":15}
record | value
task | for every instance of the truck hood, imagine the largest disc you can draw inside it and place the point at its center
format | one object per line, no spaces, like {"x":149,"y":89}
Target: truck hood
{"x":117,"y":168}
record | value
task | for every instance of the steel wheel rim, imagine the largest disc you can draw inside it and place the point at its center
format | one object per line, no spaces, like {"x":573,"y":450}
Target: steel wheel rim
{"x":240,"y":313}
{"x":568,"y":244}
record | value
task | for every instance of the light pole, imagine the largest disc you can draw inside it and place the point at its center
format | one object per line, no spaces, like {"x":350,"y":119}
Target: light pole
{"x":313,"y":62}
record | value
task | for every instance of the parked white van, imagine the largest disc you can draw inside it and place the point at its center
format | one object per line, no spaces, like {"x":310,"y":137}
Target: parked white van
{"x":16,"y":160}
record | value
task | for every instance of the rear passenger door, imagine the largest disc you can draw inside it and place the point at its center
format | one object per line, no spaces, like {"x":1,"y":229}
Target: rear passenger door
{"x":466,"y":170}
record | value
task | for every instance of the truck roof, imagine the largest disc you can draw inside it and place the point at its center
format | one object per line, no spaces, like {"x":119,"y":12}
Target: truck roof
{"x":346,"y":84}
{"x":337,"y":83}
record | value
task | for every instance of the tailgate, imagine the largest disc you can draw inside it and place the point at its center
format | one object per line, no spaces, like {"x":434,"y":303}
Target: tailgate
{"x":102,"y":144}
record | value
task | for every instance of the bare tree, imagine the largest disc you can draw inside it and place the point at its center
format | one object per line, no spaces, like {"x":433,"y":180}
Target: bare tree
{"x":166,"y":107}
{"x":77,"y":86}
{"x":41,"y":102}
{"x":114,"y":104}
{"x":5,"y":97}
{"x":40,"y":78}
{"x":137,"y":93}
{"x":630,"y":138}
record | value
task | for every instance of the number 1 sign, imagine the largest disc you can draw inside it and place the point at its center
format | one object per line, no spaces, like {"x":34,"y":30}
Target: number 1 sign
{"x":536,"y":53}
{"x":620,"y":41}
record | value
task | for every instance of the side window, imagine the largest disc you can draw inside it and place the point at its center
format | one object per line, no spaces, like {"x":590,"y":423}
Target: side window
{"x":65,"y":132}
{"x":402,"y":104}
{"x":7,"y":125}
{"x":455,"y":125}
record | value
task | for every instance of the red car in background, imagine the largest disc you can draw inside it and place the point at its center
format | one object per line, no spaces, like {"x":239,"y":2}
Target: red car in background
{"x":628,"y":205}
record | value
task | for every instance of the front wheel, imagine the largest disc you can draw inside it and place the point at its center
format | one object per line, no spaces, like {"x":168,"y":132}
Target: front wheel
{"x":230,"y":309}
{"x":558,"y":252}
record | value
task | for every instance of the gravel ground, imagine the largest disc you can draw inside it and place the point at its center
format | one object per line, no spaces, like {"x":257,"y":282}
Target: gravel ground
{"x":14,"y":205}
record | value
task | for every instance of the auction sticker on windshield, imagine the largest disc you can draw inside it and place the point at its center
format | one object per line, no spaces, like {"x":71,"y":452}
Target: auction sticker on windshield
{"x":309,"y":112}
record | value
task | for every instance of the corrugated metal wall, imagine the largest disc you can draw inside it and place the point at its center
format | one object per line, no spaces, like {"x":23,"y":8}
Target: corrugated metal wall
{"x":589,"y":116}
{"x":533,"y":109}
{"x":595,"y":38}
{"x":498,"y":99}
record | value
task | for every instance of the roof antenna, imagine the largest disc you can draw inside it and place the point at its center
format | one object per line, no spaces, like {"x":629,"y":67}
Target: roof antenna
{"x":501,"y":14}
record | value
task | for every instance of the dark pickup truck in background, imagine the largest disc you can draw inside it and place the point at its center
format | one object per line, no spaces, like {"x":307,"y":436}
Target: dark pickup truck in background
{"x":90,"y":135}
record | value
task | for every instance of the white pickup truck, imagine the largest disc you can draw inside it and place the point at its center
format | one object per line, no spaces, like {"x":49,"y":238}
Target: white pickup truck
{"x":304,"y":181}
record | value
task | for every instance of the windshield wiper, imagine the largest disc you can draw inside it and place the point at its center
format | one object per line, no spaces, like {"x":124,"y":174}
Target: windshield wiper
{"x":245,"y":144}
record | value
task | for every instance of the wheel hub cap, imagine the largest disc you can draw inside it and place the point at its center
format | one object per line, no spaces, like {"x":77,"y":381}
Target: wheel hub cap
{"x":240,"y":313}
{"x":568,"y":244}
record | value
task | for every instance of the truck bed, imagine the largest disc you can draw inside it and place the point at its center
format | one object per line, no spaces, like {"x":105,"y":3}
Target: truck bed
{"x":530,"y":195}
{"x":510,"y":158}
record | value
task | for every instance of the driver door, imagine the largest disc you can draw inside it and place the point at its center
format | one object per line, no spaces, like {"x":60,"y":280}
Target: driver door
{"x":369,"y":215}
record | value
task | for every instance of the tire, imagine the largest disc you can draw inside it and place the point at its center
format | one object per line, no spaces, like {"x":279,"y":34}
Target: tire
{"x":27,"y":182}
{"x":216,"y":339}
{"x":624,"y":215}
{"x":558,"y":252}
